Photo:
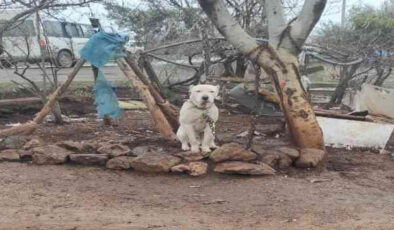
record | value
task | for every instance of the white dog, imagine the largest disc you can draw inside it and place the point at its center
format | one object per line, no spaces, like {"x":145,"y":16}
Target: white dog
{"x":197,"y":119}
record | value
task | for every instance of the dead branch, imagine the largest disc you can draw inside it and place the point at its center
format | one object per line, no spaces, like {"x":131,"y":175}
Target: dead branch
{"x":20,"y":101}
{"x":172,"y":62}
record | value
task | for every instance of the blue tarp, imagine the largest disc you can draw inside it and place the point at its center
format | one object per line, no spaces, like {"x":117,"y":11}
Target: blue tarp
{"x":101,"y":48}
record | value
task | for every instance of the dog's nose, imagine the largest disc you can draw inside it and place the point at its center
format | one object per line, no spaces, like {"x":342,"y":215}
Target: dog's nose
{"x":205,"y":98}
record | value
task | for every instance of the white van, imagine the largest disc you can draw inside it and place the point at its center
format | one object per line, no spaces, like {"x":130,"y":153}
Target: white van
{"x":62,"y":39}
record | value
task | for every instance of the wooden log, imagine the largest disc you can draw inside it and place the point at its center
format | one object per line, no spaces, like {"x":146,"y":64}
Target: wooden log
{"x":20,"y":101}
{"x":340,"y":116}
{"x":30,"y":126}
{"x":58,"y":92}
{"x":169,"y":110}
{"x":160,"y":120}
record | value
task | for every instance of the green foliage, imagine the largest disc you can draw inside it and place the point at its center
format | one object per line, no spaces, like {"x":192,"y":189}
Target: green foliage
{"x":155,"y":19}
{"x":370,"y":19}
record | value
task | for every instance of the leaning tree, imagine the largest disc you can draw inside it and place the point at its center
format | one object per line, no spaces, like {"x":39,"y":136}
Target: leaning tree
{"x":278,"y":58}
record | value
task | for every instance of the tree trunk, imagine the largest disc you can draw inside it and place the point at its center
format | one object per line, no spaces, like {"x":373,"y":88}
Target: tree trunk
{"x":346,"y":75}
{"x":278,"y":59}
{"x":240,"y":67}
{"x":382,"y":77}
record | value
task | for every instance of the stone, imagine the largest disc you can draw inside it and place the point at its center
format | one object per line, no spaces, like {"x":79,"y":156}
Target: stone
{"x":276,"y":159}
{"x":290,"y":152}
{"x":244,"y":168}
{"x":9,"y":155}
{"x":114,"y":150}
{"x":140,"y":150}
{"x":13,"y":142}
{"x":25,"y":155}
{"x":284,"y":161}
{"x":259,"y":149}
{"x":127,"y":140}
{"x":154,"y":163}
{"x":271,"y":159}
{"x":225,"y":137}
{"x":89,"y":159}
{"x":269,"y":143}
{"x":72,"y":146}
{"x":197,"y":168}
{"x":90,"y":146}
{"x":33,"y":143}
{"x":50,"y":154}
{"x":310,"y":158}
{"x":122,"y":162}
{"x":232,"y":151}
{"x":192,"y":156}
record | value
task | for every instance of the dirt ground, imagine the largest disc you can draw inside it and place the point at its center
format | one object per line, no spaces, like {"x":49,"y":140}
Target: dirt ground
{"x":355,"y":191}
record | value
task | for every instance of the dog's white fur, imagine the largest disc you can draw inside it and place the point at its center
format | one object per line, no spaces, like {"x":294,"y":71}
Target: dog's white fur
{"x":194,"y":129}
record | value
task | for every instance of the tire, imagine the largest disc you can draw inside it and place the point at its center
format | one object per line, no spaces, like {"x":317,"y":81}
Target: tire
{"x":64,"y":59}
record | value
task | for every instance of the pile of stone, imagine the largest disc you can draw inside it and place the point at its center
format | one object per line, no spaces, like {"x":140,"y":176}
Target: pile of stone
{"x":230,"y":158}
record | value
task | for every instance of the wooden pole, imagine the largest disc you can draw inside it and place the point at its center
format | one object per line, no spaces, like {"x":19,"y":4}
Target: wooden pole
{"x":169,"y":110}
{"x":161,"y":122}
{"x":30,"y":126}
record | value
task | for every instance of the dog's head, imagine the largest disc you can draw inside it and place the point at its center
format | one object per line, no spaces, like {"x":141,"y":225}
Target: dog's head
{"x":203,"y":96}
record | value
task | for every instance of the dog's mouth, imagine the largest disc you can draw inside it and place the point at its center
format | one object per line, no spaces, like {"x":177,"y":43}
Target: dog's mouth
{"x":204,"y":104}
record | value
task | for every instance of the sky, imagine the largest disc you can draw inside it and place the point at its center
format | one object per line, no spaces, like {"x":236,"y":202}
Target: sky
{"x":332,"y":13}
{"x":333,"y":10}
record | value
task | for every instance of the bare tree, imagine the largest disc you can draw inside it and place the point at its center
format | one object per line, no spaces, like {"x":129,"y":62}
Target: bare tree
{"x":278,"y":59}
{"x":33,"y":7}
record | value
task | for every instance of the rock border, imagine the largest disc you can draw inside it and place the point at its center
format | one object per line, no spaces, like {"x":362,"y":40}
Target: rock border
{"x":230,"y":158}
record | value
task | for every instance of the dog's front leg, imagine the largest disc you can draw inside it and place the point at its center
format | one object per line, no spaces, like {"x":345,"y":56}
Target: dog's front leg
{"x":207,"y":139}
{"x":191,"y":134}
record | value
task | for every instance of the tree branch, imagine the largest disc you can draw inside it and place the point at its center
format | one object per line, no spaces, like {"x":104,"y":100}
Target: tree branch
{"x":277,"y":22}
{"x":306,"y":20}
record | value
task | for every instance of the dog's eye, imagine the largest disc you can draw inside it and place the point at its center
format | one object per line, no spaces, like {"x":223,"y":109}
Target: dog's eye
{"x":212,"y":91}
{"x":198,"y":91}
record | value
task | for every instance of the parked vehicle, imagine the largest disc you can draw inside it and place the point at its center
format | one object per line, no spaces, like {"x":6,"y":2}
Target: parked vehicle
{"x":62,"y":39}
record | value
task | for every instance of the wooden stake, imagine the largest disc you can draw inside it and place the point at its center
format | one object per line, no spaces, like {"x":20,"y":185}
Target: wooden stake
{"x":169,"y":110}
{"x":161,"y":122}
{"x":30,"y":126}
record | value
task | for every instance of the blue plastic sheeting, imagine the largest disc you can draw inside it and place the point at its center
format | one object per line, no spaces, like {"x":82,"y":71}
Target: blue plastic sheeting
{"x":105,"y":98}
{"x":101,"y":48}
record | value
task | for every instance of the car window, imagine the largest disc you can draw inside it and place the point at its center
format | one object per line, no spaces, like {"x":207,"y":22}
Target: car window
{"x":87,"y":31}
{"x":53,"y":29}
{"x":72,"y":30}
{"x":80,"y":33}
{"x":20,"y":29}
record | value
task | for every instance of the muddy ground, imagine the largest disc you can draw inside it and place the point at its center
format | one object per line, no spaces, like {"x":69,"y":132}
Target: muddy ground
{"x":354,"y":191}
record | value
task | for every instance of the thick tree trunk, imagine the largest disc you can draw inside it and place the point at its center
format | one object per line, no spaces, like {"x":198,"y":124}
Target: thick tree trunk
{"x":299,"y":114}
{"x":278,"y":59}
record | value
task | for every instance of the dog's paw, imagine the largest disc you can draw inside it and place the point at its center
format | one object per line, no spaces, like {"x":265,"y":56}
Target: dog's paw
{"x":205,"y":149}
{"x":195,"y":149}
{"x":185,"y":147}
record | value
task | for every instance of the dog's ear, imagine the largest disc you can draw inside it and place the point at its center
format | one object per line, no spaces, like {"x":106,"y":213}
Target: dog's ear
{"x":191,"y":88}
